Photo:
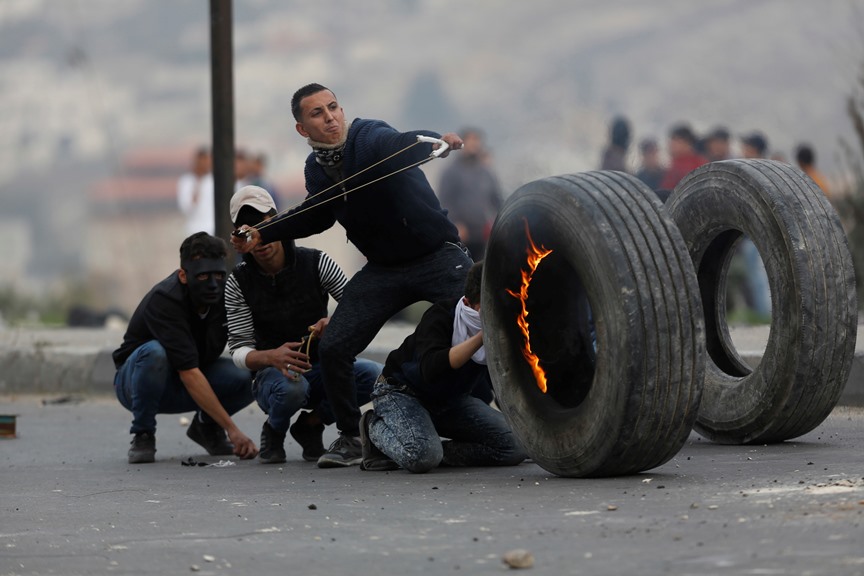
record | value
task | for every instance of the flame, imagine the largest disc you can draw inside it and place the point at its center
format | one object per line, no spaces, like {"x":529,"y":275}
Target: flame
{"x":535,"y":255}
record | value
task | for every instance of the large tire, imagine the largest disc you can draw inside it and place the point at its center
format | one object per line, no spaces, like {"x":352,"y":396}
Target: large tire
{"x":814,"y":313}
{"x":631,"y":406}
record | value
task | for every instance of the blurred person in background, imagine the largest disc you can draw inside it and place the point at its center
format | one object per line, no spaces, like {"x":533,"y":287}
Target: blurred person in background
{"x":717,"y":145}
{"x":650,"y":171}
{"x":754,"y":145}
{"x":757,"y":294}
{"x":257,"y":168}
{"x":470,"y":192}
{"x":615,"y":154}
{"x":195,"y":196}
{"x":805,"y":157}
{"x":683,"y":156}
{"x":241,"y":168}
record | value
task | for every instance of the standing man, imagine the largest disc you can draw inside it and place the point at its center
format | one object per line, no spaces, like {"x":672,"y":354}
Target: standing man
{"x":683,"y":156}
{"x":170,"y":359}
{"x":395,"y":220}
{"x":195,"y":194}
{"x":470,"y":193}
{"x":717,"y":145}
{"x":805,"y":157}
{"x":273,"y":298}
{"x":754,"y":146}
{"x":651,"y":170}
{"x":615,"y":153}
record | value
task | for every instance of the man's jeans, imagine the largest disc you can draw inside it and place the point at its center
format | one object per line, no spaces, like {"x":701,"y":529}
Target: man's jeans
{"x":408,"y":431}
{"x":146,"y":385}
{"x":371,"y":297}
{"x":281,"y":397}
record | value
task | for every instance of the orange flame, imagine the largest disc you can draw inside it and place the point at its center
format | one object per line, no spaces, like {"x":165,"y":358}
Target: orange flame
{"x":535,"y":255}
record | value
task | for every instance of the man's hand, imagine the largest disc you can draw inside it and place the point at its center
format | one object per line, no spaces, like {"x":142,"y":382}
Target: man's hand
{"x":289,"y":360}
{"x":462,"y":352}
{"x":245,"y":239}
{"x":201,"y":392}
{"x":318,"y":328}
{"x":453,"y":140}
{"x":244,"y":447}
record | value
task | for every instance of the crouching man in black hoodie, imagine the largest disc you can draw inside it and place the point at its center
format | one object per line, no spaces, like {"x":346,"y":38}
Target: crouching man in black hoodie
{"x":424,"y":394}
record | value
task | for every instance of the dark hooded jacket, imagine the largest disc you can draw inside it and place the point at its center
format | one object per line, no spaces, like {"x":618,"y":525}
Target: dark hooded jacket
{"x":393,"y":220}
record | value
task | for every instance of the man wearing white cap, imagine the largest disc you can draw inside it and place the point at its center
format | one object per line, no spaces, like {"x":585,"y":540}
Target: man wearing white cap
{"x":276,"y":300}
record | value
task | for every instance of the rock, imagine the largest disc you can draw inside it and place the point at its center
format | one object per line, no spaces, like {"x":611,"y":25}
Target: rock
{"x":518,"y":558}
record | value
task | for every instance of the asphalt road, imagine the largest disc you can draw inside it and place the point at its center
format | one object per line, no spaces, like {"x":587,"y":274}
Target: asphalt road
{"x":71,"y":505}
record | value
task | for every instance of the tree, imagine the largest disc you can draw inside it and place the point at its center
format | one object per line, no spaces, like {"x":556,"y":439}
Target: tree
{"x":850,"y":206}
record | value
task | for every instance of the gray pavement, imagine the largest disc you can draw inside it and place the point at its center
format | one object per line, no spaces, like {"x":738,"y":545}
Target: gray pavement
{"x":71,"y":505}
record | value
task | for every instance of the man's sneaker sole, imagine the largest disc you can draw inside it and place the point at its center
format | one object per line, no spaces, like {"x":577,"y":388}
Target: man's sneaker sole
{"x":273,"y":459}
{"x":142,"y":458}
{"x":327,"y":461}
{"x":343,"y":452}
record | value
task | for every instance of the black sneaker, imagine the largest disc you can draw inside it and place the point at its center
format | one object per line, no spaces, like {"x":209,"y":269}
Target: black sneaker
{"x":309,"y":436}
{"x":272,"y":445}
{"x":344,"y":451}
{"x":143,"y":449}
{"x":211,"y":436}
{"x":374,"y":460}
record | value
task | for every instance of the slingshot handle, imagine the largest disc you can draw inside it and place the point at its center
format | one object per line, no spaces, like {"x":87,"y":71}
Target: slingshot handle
{"x":442,"y":148}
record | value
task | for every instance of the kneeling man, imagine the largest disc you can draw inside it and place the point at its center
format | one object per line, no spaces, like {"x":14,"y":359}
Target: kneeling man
{"x":424,"y":393}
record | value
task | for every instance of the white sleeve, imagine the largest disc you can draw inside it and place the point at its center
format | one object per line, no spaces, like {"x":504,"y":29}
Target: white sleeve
{"x":241,"y":328}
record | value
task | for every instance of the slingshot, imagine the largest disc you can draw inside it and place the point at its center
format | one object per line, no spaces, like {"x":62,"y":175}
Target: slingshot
{"x":293,"y":210}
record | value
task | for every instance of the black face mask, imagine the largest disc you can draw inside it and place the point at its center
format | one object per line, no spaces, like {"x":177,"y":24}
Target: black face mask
{"x":205,"y":278}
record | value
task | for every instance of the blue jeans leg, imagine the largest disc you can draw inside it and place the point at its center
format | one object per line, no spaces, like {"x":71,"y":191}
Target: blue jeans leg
{"x":146,"y":385}
{"x":232,"y":385}
{"x":142,"y":381}
{"x":371,"y":297}
{"x":280,"y":397}
{"x":479,"y":434}
{"x":365,"y":374}
{"x":403,"y":429}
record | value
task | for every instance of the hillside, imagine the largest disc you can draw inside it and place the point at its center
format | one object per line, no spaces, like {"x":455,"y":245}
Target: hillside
{"x":84,"y":81}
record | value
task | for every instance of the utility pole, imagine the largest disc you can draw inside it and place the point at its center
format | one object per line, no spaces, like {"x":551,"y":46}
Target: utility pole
{"x":222,"y":101}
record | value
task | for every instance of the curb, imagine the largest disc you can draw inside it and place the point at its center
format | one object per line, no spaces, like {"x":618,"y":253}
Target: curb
{"x":76,"y":361}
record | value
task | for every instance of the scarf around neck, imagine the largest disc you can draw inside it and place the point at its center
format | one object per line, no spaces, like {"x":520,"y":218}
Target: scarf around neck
{"x":329,"y":154}
{"x":466,"y":323}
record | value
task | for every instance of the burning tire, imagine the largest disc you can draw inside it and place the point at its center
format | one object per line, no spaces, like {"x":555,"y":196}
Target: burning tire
{"x":617,"y":264}
{"x":814,"y":313}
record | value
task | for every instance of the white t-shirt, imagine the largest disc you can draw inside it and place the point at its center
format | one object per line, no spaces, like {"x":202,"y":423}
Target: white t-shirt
{"x":200,"y":215}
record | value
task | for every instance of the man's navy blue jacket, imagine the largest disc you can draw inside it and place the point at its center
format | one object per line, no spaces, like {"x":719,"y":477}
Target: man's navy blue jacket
{"x":393,"y":221}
